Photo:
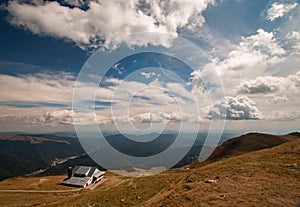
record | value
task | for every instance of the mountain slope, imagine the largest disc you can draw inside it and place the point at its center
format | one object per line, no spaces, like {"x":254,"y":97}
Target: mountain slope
{"x":266,"y":177}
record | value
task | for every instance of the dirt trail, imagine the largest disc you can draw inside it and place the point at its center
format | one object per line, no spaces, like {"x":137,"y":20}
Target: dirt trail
{"x":40,"y":191}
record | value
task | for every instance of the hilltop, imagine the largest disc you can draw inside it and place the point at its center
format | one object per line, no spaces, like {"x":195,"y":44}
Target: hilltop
{"x":266,"y":175}
{"x":246,"y":143}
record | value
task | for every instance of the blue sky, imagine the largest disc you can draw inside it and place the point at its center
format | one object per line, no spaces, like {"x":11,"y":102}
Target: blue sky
{"x":250,"y":56}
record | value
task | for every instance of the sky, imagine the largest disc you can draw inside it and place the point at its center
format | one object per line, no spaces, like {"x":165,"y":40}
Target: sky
{"x":150,"y":65}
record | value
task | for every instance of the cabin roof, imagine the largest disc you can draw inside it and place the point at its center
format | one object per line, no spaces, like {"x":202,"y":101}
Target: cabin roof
{"x":83,"y":171}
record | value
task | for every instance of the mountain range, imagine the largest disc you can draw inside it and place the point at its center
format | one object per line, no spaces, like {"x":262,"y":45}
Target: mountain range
{"x":22,"y":154}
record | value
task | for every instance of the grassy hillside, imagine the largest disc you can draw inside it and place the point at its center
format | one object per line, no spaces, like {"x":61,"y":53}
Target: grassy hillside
{"x":265,"y":177}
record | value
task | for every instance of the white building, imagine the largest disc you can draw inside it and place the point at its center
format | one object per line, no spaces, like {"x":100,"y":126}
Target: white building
{"x":82,"y":176}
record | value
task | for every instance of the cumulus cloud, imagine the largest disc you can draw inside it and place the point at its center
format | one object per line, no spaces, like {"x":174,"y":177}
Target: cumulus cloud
{"x":267,"y":84}
{"x":271,"y":84}
{"x":235,"y":108}
{"x":53,"y":118}
{"x":159,"y":117}
{"x":261,"y":49}
{"x":278,"y":10}
{"x":104,"y":21}
{"x":263,"y":42}
{"x":65,"y":117}
{"x":69,"y":117}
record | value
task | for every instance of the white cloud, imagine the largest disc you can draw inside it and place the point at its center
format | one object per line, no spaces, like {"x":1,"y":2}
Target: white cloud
{"x":197,"y":83}
{"x":263,"y":42}
{"x":293,"y":39}
{"x":44,"y":97}
{"x":294,"y":35}
{"x":118,"y":68}
{"x":65,"y":117}
{"x":159,"y":117}
{"x":278,"y":99}
{"x":149,"y":118}
{"x":267,"y":84}
{"x":251,"y":56}
{"x":48,"y":88}
{"x":53,"y":118}
{"x":107,"y":20}
{"x":249,"y":59}
{"x":126,"y":90}
{"x":179,"y":91}
{"x":284,"y":116}
{"x":271,"y":84}
{"x":278,"y":10}
{"x":148,"y":75}
{"x":235,"y":108}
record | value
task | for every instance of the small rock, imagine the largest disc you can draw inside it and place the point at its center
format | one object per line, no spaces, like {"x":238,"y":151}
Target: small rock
{"x":217,"y":177}
{"x":189,"y":180}
{"x":210,"y":181}
{"x":138,"y":197}
{"x":222,"y":196}
{"x":122,"y":200}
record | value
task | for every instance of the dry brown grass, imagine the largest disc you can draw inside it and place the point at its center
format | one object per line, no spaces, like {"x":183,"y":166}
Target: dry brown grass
{"x":269,"y":177}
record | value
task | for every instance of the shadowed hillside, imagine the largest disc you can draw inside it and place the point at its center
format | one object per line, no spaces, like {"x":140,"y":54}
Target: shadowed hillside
{"x":21,"y":154}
